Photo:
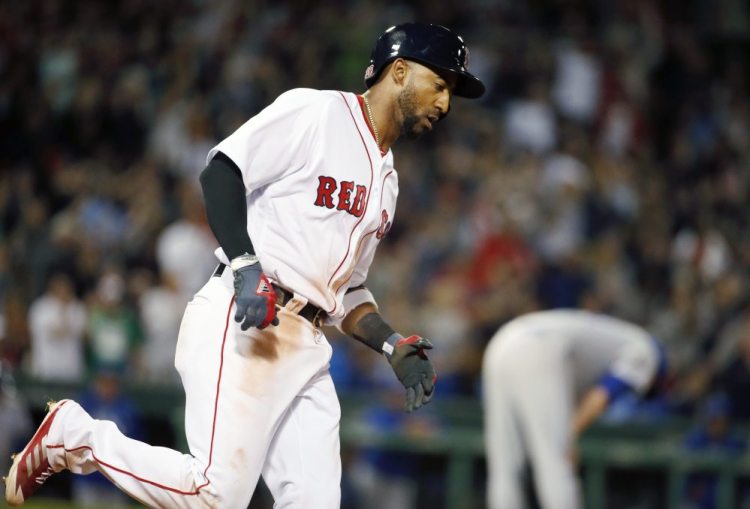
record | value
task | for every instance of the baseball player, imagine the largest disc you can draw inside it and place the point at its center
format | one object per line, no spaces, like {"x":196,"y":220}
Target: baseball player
{"x":546,"y":377}
{"x":298,"y":198}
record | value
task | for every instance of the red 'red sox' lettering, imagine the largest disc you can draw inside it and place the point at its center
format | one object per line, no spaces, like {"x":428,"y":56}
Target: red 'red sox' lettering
{"x":358,"y":206}
{"x":326,"y":187}
{"x":343,"y":200}
{"x":344,"y":195}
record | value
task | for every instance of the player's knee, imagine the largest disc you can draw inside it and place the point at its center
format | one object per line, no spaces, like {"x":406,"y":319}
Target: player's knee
{"x":223,"y":498}
{"x":221,"y":492}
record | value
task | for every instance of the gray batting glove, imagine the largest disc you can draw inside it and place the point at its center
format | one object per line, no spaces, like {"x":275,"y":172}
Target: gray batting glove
{"x":413,"y":369}
{"x":254,"y":296}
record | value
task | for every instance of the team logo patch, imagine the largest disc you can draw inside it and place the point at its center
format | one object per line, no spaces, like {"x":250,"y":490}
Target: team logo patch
{"x":263,"y":287}
{"x":385,"y":225}
{"x":370,"y":71}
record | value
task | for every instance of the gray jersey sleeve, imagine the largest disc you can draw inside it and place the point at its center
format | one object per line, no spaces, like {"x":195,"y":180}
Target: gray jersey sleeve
{"x":636,"y":365}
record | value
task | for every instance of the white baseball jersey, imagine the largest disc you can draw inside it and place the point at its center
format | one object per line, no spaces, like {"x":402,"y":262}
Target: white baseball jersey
{"x":320,"y":195}
{"x":535,"y":369}
{"x":595,"y":345}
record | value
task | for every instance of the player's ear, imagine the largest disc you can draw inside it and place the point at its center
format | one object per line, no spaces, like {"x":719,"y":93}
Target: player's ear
{"x":399,"y":71}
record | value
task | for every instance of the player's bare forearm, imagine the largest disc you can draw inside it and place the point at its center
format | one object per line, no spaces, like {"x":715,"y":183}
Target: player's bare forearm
{"x":593,"y":405}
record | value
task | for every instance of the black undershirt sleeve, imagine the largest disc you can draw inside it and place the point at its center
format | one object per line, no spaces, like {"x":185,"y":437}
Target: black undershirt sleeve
{"x":226,"y":208}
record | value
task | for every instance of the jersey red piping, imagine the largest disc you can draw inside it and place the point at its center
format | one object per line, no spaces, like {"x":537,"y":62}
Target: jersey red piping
{"x":213,"y":432}
{"x":382,"y":186}
{"x":216,"y":398}
{"x":367,"y":202}
{"x":130,"y":474}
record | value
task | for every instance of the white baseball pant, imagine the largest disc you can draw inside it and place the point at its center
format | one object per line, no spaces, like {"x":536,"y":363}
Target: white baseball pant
{"x":528,"y":400}
{"x":257,"y":403}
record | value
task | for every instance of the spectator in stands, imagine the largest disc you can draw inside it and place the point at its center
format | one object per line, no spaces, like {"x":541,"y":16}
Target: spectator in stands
{"x":160,"y":309}
{"x":32,"y":245}
{"x":184,"y":250}
{"x":445,"y":320}
{"x":101,"y":120}
{"x":578,"y":72}
{"x":113,"y":329}
{"x":734,"y":380}
{"x":15,"y":417}
{"x":57,"y":321}
{"x":104,"y":399}
{"x":714,"y":433}
{"x":4,"y":283}
{"x":530,"y":121}
{"x":386,"y":478}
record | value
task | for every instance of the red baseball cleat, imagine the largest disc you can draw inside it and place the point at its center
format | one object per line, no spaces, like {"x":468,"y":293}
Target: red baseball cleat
{"x":31,"y":467}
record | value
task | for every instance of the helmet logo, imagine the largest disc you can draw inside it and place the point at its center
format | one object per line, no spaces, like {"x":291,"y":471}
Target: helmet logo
{"x":369,"y":71}
{"x":466,"y":58}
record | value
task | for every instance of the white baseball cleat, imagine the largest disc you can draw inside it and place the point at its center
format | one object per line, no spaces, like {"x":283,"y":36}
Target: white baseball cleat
{"x":31,"y":467}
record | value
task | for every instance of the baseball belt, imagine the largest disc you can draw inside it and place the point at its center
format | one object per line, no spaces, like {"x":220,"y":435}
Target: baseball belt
{"x":310,"y":312}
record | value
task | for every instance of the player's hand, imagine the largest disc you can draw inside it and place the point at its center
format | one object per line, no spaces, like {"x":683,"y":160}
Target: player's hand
{"x":413,"y":369}
{"x":254,"y":298}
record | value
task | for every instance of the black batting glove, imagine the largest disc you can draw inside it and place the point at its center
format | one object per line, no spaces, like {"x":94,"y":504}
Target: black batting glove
{"x":254,"y":296}
{"x":412,"y":367}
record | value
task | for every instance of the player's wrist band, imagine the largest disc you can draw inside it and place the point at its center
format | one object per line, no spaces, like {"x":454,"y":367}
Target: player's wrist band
{"x":373,"y":331}
{"x":244,"y":260}
{"x":390,"y":344}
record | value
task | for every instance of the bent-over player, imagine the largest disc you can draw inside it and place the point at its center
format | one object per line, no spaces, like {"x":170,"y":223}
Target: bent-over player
{"x":298,"y":198}
{"x":546,"y":377}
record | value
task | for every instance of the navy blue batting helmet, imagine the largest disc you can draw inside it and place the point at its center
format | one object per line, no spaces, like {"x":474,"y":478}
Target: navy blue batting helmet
{"x":432,"y":45}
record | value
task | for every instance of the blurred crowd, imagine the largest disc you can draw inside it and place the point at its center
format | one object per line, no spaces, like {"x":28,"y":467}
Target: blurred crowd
{"x":607,"y":167}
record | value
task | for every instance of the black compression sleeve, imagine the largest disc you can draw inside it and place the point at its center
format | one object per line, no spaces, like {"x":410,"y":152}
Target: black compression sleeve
{"x":226,"y":209}
{"x":372,"y":330}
